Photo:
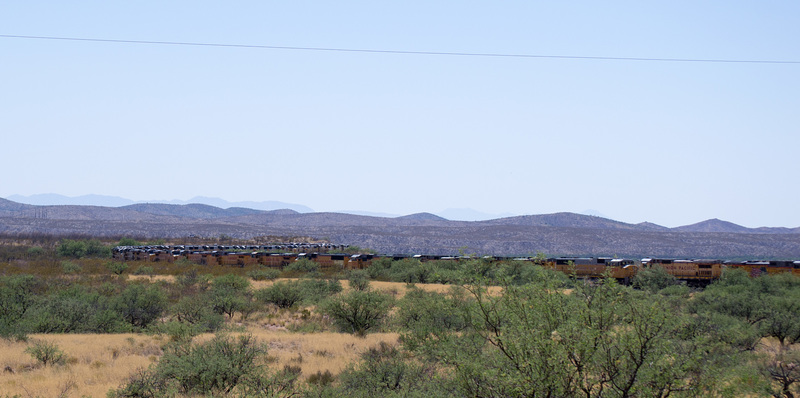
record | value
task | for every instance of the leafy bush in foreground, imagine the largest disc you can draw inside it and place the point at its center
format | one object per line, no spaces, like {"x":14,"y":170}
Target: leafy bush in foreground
{"x":47,"y":353}
{"x":140,"y":305}
{"x":222,"y":366}
{"x":358,"y":311}
{"x":283,"y":294}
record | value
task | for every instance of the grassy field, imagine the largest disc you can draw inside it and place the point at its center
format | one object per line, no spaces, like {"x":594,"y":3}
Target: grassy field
{"x":397,"y":289}
{"x":97,"y":363}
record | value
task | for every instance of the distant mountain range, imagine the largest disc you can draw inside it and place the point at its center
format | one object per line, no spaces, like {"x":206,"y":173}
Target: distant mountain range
{"x":553,"y":234}
{"x":52,"y":199}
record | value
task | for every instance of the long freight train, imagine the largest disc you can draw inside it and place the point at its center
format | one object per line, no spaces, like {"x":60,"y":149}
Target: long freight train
{"x":697,"y":272}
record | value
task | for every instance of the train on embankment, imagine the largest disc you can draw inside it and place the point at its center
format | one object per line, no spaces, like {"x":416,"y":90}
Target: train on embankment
{"x":691,"y":271}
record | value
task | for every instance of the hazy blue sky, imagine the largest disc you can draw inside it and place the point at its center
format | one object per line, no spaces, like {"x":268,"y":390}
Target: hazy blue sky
{"x":668,"y":142}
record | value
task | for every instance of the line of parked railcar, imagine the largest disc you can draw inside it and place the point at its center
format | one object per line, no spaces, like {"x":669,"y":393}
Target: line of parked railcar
{"x":235,"y":255}
{"x":692,"y":271}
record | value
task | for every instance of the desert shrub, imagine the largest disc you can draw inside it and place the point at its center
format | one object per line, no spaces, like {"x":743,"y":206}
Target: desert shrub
{"x":216,"y":366}
{"x":767,"y":303}
{"x":67,"y":311}
{"x":110,"y":287}
{"x":781,"y":321}
{"x":79,"y":249}
{"x":144,"y":270}
{"x":321,"y":379}
{"x":357,"y":311}
{"x":358,"y":279}
{"x":128,"y":242}
{"x":219,"y":367}
{"x":230,"y":282}
{"x":284,"y":294}
{"x":117,"y":268}
{"x":315,"y":290}
{"x":195,"y":310}
{"x":227,"y":302}
{"x":302,"y":265}
{"x":734,"y":277}
{"x":263,"y":274}
{"x":180,"y":332}
{"x":446,"y":275}
{"x":17,"y":297}
{"x":140,"y":305}
{"x":95,"y":248}
{"x":109,"y":321}
{"x":735,"y":334}
{"x":783,"y":370}
{"x":192,"y":278}
{"x":379,"y":268}
{"x":71,"y":248}
{"x":521,"y":272}
{"x":385,"y":371}
{"x":780,"y":282}
{"x":478,"y":269}
{"x":536,"y":340}
{"x":419,"y":313}
{"x":46,"y":353}
{"x":69,"y":267}
{"x":653,"y":279}
{"x":269,"y":385}
{"x":229,"y":294}
{"x":409,"y":271}
{"x":35,"y":251}
{"x":144,"y":383}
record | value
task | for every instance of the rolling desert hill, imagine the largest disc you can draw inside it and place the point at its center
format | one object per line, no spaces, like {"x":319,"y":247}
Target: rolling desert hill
{"x":716,"y":225}
{"x":553,"y":234}
{"x":195,"y":210}
{"x":564,"y":220}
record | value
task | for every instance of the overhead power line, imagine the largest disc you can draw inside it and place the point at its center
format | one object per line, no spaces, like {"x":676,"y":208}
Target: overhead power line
{"x":404,"y":52}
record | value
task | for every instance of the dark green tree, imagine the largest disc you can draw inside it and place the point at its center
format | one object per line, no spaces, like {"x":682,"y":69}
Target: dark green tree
{"x":140,"y":305}
{"x":358,"y":279}
{"x":117,"y":268}
{"x":71,"y":248}
{"x":597,"y":340}
{"x":195,"y":310}
{"x":17,"y":296}
{"x":229,"y":294}
{"x":284,"y":294}
{"x":420,"y":313}
{"x":653,"y":279}
{"x":386,"y":371}
{"x":71,"y":310}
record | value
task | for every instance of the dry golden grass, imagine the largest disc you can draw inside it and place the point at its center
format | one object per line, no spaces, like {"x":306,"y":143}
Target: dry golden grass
{"x":314,"y":352}
{"x":99,"y":362}
{"x":95,"y":364}
{"x":319,"y":352}
{"x":397,"y":289}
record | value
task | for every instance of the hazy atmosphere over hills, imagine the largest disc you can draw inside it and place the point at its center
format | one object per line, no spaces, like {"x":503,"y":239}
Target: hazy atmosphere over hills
{"x":667,"y":112}
{"x":115,"y":201}
{"x":420,"y":233}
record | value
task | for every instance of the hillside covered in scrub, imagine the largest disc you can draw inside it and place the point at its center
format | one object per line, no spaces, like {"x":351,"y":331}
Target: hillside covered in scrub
{"x":554,"y":234}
